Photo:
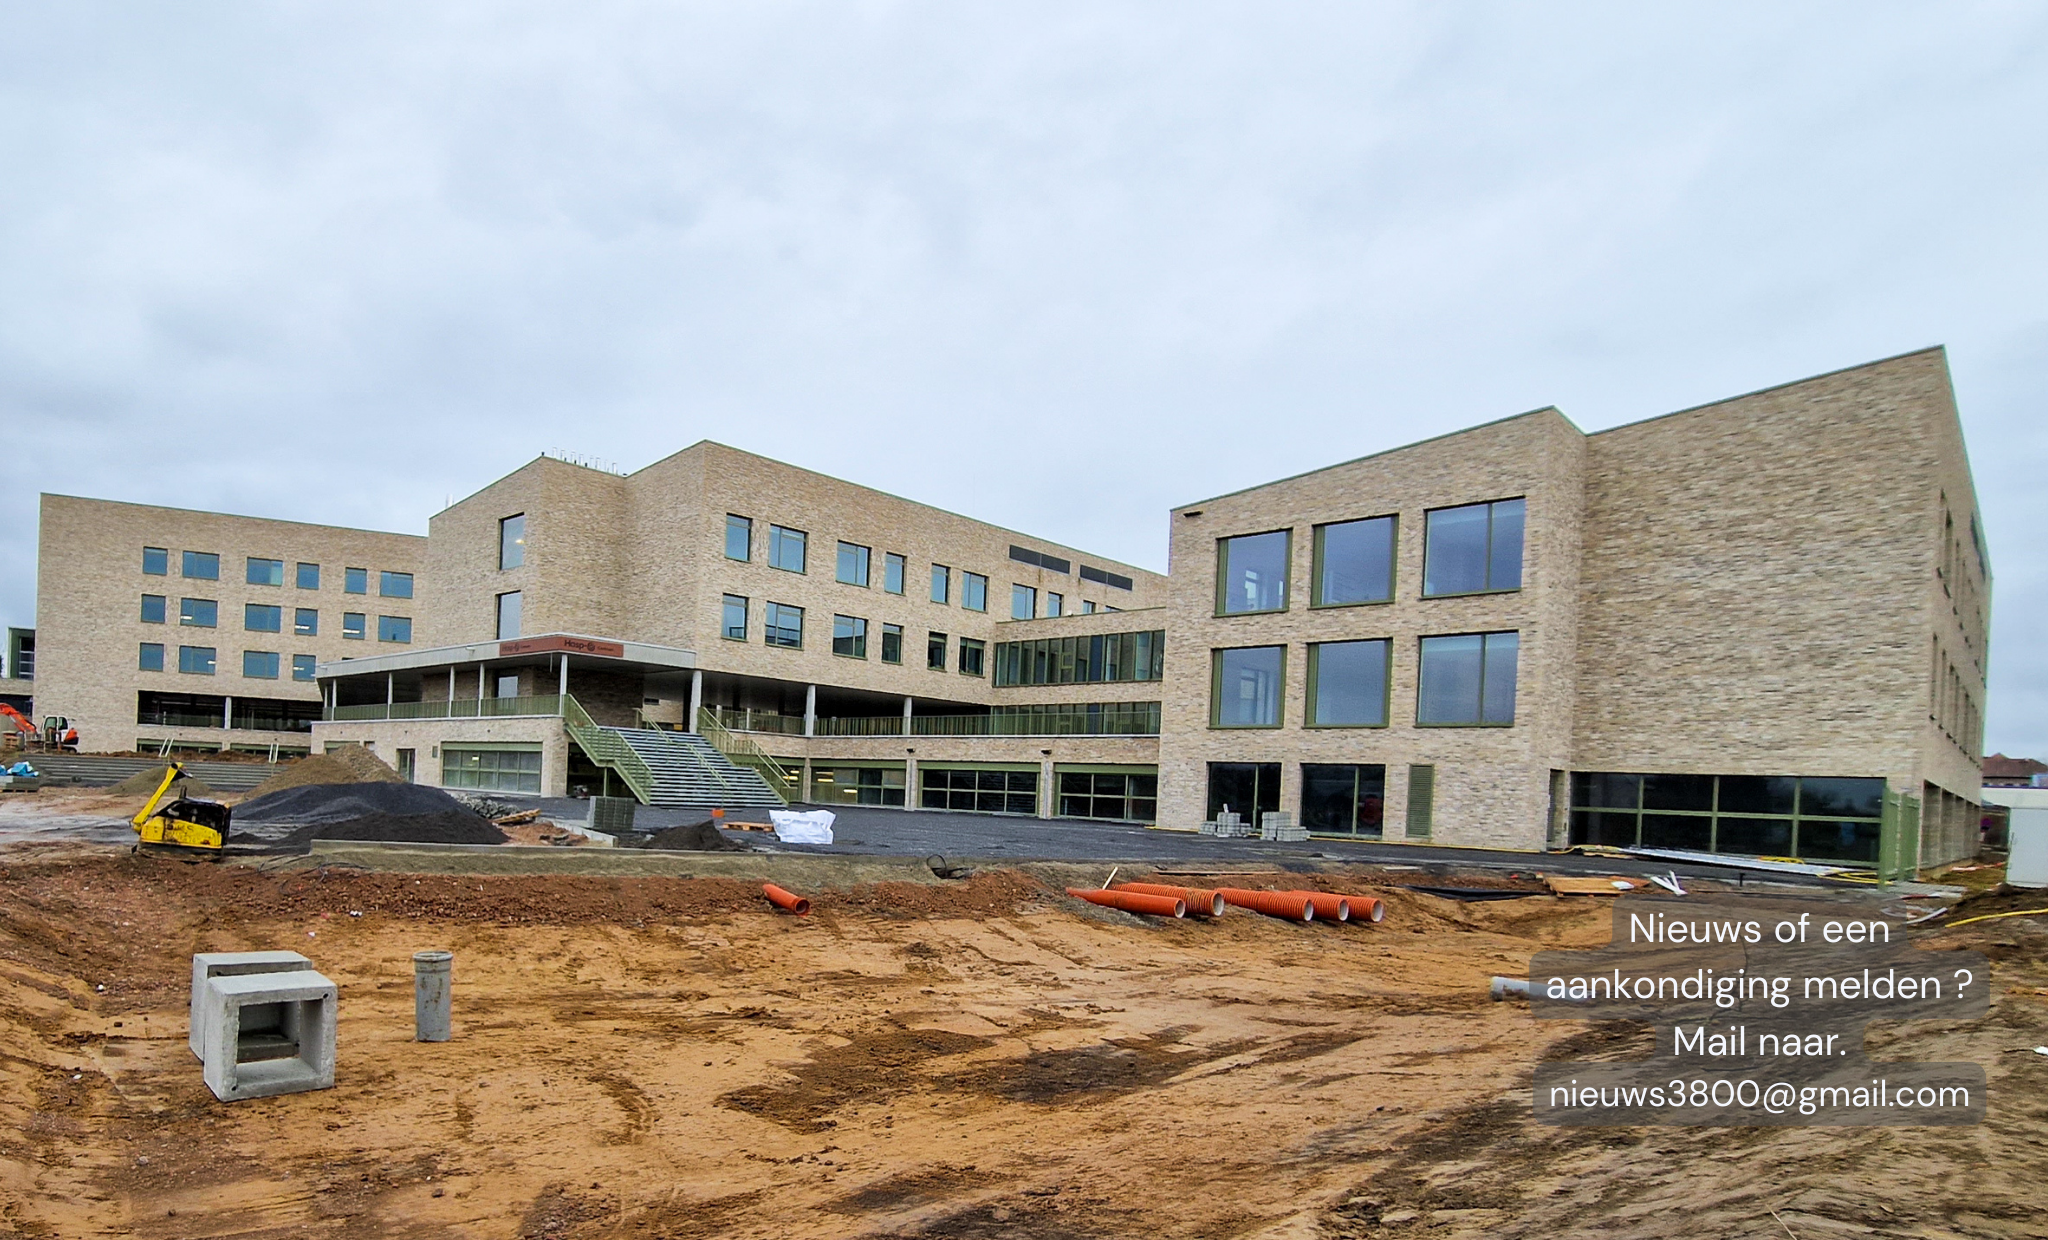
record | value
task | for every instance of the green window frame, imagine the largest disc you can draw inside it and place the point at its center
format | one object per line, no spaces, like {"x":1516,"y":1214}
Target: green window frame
{"x":153,"y":608}
{"x":394,"y":585}
{"x":491,"y":768}
{"x":1352,"y":563}
{"x":303,"y":667}
{"x":151,"y":657}
{"x":852,"y":568}
{"x":892,"y":643}
{"x":893,"y":568}
{"x":306,"y":622}
{"x":262,"y":618}
{"x":202,"y":565}
{"x":1023,"y":602}
{"x":850,"y":637}
{"x":1814,"y":818}
{"x":788,"y":549}
{"x":511,"y":541}
{"x":198,"y":613}
{"x":973,"y":653}
{"x":259,"y":665}
{"x":935,"y":652}
{"x":1372,"y":658}
{"x":732,"y":624}
{"x":739,"y":538}
{"x":1248,"y":687}
{"x":307,"y":576}
{"x":395,"y":629}
{"x":355,"y":626}
{"x":974,"y":592}
{"x":1252,"y":572}
{"x":355,"y":581}
{"x":156,"y":561}
{"x":942,"y":584}
{"x":257,"y":571}
{"x":1474,"y":548}
{"x":197,"y":660}
{"x":1467,"y":680}
{"x":782,"y":626}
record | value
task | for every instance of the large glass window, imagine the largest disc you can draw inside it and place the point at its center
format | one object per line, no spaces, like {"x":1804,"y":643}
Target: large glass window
{"x":973,"y":652}
{"x":850,"y":637}
{"x":153,"y":608}
{"x":783,"y":625}
{"x":1096,"y":659}
{"x":1468,"y":680}
{"x":306,"y":622}
{"x":935,"y":651}
{"x":394,"y":585}
{"x":156,"y":561}
{"x":857,"y":785}
{"x":196,"y":660}
{"x":892,"y":643}
{"x":394,"y":629}
{"x":1473,"y":549}
{"x":202,"y":565}
{"x":259,"y":664}
{"x":892,"y":572}
{"x":1251,"y":572}
{"x":1343,"y":799}
{"x":151,"y":658}
{"x":853,"y":564}
{"x":198,"y":613}
{"x":979,"y":791}
{"x":512,"y":541}
{"x":974,"y":592}
{"x":1115,"y":795}
{"x":509,"y":607}
{"x":1023,"y":602}
{"x":355,"y":626}
{"x":786,"y":549}
{"x":1347,"y":684}
{"x":1246,"y":687}
{"x":302,"y":667}
{"x":491,"y":770}
{"x":1818,"y":819}
{"x":733,"y":624}
{"x":355,"y":581}
{"x":261,"y":572}
{"x":262,"y":618}
{"x":1250,"y":790}
{"x":1354,"y":563}
{"x":942,"y":584}
{"x":739,"y":537}
{"x":308,"y":576}
{"x":1055,"y":604}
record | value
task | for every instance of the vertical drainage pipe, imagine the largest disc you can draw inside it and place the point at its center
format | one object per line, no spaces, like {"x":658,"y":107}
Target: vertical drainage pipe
{"x":432,"y":975}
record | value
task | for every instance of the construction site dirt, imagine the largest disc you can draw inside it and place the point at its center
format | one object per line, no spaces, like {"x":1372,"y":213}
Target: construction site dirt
{"x":665,"y":1057}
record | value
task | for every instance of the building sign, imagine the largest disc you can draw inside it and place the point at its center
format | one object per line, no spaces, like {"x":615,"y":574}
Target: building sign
{"x":570,"y":645}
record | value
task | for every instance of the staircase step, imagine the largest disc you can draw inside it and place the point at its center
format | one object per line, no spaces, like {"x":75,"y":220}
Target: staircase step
{"x":689,"y":771}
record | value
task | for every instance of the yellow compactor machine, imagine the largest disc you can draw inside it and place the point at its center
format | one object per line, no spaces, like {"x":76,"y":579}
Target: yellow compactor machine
{"x":185,"y":826}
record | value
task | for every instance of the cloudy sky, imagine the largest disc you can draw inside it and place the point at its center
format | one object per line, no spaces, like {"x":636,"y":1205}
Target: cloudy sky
{"x":1059,"y":266}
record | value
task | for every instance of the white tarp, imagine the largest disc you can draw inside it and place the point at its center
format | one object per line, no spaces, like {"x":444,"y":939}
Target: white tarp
{"x":791,"y":827}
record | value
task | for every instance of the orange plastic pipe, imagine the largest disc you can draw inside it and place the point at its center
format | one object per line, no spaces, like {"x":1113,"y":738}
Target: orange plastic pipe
{"x":786,"y":899}
{"x":1132,"y":901}
{"x":1291,"y":905}
{"x":1367,"y":908}
{"x":1329,"y":907}
{"x":1200,"y":902}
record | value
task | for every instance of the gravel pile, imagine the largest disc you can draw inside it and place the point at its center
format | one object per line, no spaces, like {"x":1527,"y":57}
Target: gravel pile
{"x":695,"y":837}
{"x":381,"y":812}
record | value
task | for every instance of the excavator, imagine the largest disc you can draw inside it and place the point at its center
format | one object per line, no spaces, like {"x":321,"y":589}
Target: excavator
{"x":56,"y":732}
{"x":184,"y":827}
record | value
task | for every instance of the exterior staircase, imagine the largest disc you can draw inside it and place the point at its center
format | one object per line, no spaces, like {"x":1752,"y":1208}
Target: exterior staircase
{"x":685,"y":769}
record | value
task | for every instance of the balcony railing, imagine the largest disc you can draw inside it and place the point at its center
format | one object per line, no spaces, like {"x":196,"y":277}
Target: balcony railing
{"x":1100,"y":719}
{"x":460,"y":708}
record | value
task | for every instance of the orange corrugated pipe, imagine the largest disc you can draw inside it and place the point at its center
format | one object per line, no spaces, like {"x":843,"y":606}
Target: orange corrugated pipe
{"x":1367,"y":908}
{"x":1201,"y":902}
{"x":1291,"y":905}
{"x":786,"y":899}
{"x":1132,"y":901}
{"x":1329,"y":907}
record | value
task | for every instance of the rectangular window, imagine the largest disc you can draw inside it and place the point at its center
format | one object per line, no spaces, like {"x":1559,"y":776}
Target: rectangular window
{"x":262,"y":618}
{"x":974,"y":592}
{"x":849,"y":785}
{"x":394,"y":629}
{"x":1468,"y":680}
{"x":1246,"y":685}
{"x":1343,"y":799}
{"x":355,"y":581}
{"x":1023,"y":602}
{"x":153,"y":609}
{"x":394,"y":585}
{"x":1094,"y":659}
{"x":196,"y":660}
{"x":1354,"y":563}
{"x":497,"y":769}
{"x":506,"y":687}
{"x":850,"y":637}
{"x":1113,"y":796}
{"x":152,"y":657}
{"x":942,"y":584}
{"x":733,"y":625}
{"x":1087,"y":607}
{"x":264,"y":572}
{"x":302,"y":667}
{"x":892,"y":573}
{"x":309,"y":576}
{"x":971,"y":656}
{"x":1054,"y":604}
{"x":783,"y":625}
{"x":306,"y":622}
{"x":259,"y":664}
{"x":1347,"y":684}
{"x":1251,"y":572}
{"x":509,"y":607}
{"x":786,"y":549}
{"x":1473,"y":549}
{"x":156,"y":561}
{"x":1822,"y":819}
{"x":892,"y":643}
{"x":198,"y":613}
{"x":1251,"y":790}
{"x":512,"y":541}
{"x":202,"y":565}
{"x":739,"y":538}
{"x":978,"y":791}
{"x":853,"y":564}
{"x":355,"y":626}
{"x":935,"y":651}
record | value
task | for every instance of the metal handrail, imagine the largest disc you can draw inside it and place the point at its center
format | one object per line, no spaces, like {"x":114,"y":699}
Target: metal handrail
{"x":744,"y":752}
{"x":608,"y":748}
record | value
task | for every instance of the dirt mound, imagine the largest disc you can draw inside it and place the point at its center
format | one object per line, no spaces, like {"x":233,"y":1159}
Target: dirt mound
{"x":351,"y":764}
{"x":695,"y":837}
{"x":142,"y":783}
{"x":376,"y":811}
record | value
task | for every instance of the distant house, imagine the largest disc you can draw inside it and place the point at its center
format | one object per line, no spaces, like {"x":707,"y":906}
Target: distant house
{"x":2003,"y":772}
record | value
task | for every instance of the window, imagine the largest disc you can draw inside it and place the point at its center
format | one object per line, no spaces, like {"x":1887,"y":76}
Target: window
{"x":1246,"y":685}
{"x":974,"y":591}
{"x":202,"y":565}
{"x":1354,"y":563}
{"x":786,"y":549}
{"x":739,"y":538}
{"x":892,"y":643}
{"x":152,"y":657}
{"x":264,"y":572}
{"x":394,"y":585}
{"x":506,"y":687}
{"x":971,"y":653}
{"x":153,"y":609}
{"x":1750,"y":815}
{"x":935,"y":651}
{"x":509,"y":607}
{"x":262,"y":618}
{"x":857,"y":785}
{"x":1341,"y":799}
{"x":1104,"y":577}
{"x":309,"y":576}
{"x":1023,"y":602}
{"x":196,"y":660}
{"x":733,"y":626}
{"x":1473,"y":549}
{"x":853,"y":564}
{"x":1251,"y":572}
{"x":1024,"y":555}
{"x":942,"y":584}
{"x":892,"y":573}
{"x":1054,"y":604}
{"x":156,"y":561}
{"x":302,"y":667}
{"x":512,"y":541}
{"x":306,"y":622}
{"x":354,"y":625}
{"x":1117,"y":796}
{"x":198,"y":613}
{"x":394,"y":629}
{"x":1082,"y":660}
{"x":1087,"y":607}
{"x":492,"y":769}
{"x":783,"y":625}
{"x":355,"y":581}
{"x":1250,"y":790}
{"x":259,"y":664}
{"x":850,"y":637}
{"x":979,"y":791}
{"x":1468,"y":680}
{"x":1347,"y":684}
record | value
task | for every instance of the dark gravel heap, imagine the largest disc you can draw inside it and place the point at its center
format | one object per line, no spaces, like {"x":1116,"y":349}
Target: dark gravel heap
{"x":385,"y":813}
{"x":695,"y":837}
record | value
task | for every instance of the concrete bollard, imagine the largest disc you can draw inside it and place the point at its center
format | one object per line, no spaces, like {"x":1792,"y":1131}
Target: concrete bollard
{"x":432,"y":975}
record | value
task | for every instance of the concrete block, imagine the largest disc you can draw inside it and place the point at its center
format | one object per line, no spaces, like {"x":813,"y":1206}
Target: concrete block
{"x":230,"y":964}
{"x":268,"y":1034}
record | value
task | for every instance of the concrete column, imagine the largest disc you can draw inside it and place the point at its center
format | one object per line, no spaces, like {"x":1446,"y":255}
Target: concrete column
{"x":451,"y":682}
{"x":390,"y":690}
{"x":1045,"y":787}
{"x":480,"y":678}
{"x":910,"y":779}
{"x":906,"y":717}
{"x":804,"y":788}
{"x":227,"y":715}
{"x":696,"y":698}
{"x":564,"y":678}
{"x":810,"y":729}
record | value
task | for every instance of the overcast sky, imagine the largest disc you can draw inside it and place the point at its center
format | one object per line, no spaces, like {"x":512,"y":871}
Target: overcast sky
{"x":1056,"y":266}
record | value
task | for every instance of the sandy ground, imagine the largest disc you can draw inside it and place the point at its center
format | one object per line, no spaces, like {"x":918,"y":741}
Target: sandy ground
{"x":665,"y":1058}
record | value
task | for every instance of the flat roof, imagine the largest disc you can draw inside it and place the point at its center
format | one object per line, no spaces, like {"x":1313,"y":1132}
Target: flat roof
{"x":580,"y":647}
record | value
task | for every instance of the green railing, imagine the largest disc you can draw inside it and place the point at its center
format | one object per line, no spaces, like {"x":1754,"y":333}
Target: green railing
{"x":607,"y":749}
{"x":754,"y":720}
{"x":743,"y":752}
{"x":1086,"y":719}
{"x":460,"y":708}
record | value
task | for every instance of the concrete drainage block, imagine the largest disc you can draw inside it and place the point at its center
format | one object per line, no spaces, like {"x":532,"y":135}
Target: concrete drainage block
{"x":268,"y":1034}
{"x":231,"y":964}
